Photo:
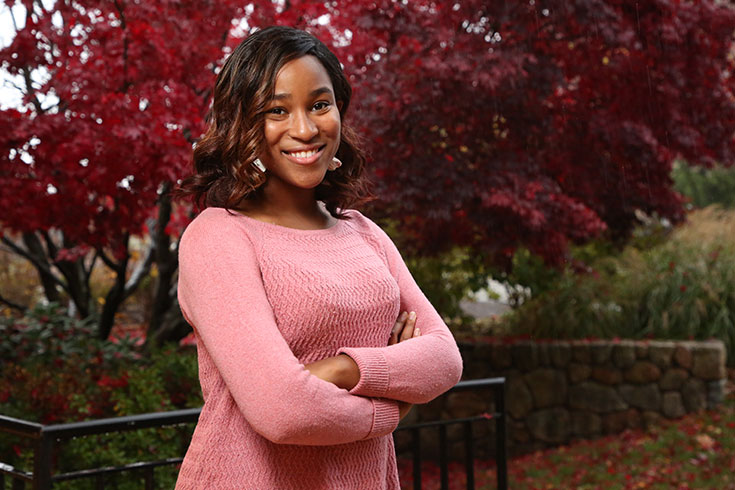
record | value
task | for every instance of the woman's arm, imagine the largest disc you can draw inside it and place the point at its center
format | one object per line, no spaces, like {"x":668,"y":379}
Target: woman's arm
{"x":342,"y":371}
{"x":416,"y":371}
{"x":222,"y":295}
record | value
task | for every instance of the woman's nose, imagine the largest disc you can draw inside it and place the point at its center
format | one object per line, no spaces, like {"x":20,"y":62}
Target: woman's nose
{"x":303,"y":127}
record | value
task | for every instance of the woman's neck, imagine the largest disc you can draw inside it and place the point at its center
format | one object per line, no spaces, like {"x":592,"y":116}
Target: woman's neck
{"x":296,"y":209}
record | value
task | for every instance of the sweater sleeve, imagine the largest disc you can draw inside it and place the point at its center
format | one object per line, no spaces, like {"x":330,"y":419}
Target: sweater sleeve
{"x":222,"y":296}
{"x":419,"y":369}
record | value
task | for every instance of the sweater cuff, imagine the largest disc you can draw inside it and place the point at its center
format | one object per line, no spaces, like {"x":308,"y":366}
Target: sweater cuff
{"x":373,"y":371}
{"x":386,"y":416}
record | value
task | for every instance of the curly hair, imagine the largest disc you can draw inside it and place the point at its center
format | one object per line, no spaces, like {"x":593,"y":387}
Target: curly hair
{"x":223,"y":175}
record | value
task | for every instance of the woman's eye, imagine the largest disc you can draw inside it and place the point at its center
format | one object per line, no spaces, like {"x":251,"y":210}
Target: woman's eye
{"x":322,"y":105}
{"x":278,"y":111}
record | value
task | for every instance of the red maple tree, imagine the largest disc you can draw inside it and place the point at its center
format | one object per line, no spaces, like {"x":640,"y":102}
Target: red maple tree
{"x":496,"y":124}
{"x":115,"y":93}
{"x":490,"y":124}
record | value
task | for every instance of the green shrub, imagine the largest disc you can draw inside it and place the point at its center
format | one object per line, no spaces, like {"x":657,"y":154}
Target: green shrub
{"x":683,"y":288}
{"x":529,"y":277}
{"x":55,"y":370}
{"x":692,"y":296}
{"x":705,"y":186}
{"x":146,"y":391}
{"x":50,"y":359}
{"x":448,"y":279}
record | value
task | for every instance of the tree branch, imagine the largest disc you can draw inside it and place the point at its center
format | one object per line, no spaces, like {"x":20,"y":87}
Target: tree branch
{"x":40,"y":4}
{"x":123,"y":27}
{"x":50,"y":245}
{"x":88,"y":270}
{"x":33,"y":260}
{"x":13,"y":305}
{"x":12,"y":18}
{"x":31,"y":91}
{"x":141,"y":271}
{"x":116,"y":295}
{"x":107,"y":260}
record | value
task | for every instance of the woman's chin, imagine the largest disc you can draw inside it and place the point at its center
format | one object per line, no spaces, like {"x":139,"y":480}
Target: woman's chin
{"x":310,"y":183}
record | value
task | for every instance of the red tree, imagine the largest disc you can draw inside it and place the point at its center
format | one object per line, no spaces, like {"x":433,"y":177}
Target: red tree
{"x":490,"y":124}
{"x":496,"y":124}
{"x":103,"y":136}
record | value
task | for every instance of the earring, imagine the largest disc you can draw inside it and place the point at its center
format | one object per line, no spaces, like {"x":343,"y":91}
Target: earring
{"x":335,"y":164}
{"x":259,"y":165}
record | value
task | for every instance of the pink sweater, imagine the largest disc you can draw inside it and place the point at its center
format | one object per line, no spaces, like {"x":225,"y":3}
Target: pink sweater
{"x":264,"y":300}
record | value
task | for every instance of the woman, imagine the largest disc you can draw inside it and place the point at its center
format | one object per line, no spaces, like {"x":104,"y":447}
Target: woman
{"x":307,"y":355}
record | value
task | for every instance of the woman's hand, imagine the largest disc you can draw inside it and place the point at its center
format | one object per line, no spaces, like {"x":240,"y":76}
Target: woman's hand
{"x":404,"y":329}
{"x":343,"y":372}
{"x":339,"y":370}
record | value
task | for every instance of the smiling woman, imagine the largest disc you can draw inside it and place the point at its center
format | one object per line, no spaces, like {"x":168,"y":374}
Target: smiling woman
{"x":281,"y":93}
{"x":312,"y":337}
{"x":302,"y":130}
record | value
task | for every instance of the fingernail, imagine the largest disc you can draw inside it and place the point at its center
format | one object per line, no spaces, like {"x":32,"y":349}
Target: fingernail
{"x":416,"y":332}
{"x":412,"y":315}
{"x":403,"y":315}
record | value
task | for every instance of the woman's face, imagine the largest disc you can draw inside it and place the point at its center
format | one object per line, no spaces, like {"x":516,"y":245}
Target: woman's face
{"x":302,"y":126}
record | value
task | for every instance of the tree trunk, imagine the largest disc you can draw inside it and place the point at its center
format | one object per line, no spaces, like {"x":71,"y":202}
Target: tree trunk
{"x":35,"y":248}
{"x":173,"y":327}
{"x":115,"y":296}
{"x":76,"y":275}
{"x":167,"y":263}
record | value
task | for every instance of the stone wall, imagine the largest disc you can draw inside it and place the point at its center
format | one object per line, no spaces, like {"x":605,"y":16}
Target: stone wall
{"x":557,"y":392}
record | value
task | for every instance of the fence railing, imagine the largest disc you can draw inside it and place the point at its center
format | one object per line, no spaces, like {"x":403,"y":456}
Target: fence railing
{"x":46,"y":437}
{"x":497,"y":385}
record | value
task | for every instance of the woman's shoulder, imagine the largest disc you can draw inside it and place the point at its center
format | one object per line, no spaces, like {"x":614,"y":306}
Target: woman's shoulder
{"x":217,"y":226}
{"x":363,"y":224}
{"x":214,"y":217}
{"x":206,"y":222}
{"x":359,"y":221}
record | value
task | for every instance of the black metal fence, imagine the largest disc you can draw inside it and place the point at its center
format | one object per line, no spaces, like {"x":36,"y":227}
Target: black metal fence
{"x":46,"y":437}
{"x":497,"y":385}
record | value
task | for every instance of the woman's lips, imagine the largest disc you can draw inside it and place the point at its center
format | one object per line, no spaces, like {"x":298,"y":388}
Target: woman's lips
{"x":306,"y":157}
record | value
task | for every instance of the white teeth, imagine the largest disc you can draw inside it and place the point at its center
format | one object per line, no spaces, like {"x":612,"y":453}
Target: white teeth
{"x":304,"y":154}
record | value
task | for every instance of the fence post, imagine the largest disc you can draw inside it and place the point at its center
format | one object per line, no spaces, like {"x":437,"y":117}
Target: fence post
{"x":501,"y":461}
{"x":42,"y":461}
{"x":469,"y":455}
{"x":416,"y":459}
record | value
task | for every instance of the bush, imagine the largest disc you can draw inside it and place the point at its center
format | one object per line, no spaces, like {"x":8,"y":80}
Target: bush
{"x":683,"y":288}
{"x":51,"y":359}
{"x":448,"y":279}
{"x":54,"y":370}
{"x":705,"y":186}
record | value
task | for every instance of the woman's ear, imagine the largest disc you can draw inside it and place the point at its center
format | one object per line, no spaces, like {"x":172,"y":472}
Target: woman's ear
{"x":339,"y":105}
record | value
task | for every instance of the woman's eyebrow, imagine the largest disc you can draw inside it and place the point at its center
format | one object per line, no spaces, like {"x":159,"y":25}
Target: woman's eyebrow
{"x":313,"y":93}
{"x":320,"y":90}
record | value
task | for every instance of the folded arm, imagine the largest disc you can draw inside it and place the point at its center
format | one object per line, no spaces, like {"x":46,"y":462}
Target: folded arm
{"x":416,"y":371}
{"x":222,"y":296}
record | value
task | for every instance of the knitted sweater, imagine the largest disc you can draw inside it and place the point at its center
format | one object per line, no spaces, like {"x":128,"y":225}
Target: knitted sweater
{"x":263,"y":301}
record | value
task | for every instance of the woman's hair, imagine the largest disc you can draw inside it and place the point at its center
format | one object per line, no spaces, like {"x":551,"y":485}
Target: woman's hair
{"x":223,"y":171}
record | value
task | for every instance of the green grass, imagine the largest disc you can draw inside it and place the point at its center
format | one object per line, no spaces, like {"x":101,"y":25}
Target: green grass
{"x":694,"y":452}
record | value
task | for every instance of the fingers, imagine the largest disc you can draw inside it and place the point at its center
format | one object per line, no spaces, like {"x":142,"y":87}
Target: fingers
{"x":405,"y":328}
{"x":397,"y":328}
{"x":409,"y":327}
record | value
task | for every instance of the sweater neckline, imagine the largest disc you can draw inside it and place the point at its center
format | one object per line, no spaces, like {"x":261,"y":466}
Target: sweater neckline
{"x":287,"y":230}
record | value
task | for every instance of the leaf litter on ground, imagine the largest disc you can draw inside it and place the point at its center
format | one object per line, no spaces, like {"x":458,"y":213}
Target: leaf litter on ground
{"x":696,"y":451}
